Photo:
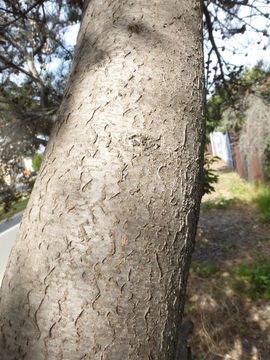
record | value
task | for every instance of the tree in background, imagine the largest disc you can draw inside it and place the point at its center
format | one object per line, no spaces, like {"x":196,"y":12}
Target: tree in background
{"x":231,"y":97}
{"x":8,"y":193}
{"x":241,"y":108}
{"x":31,"y":41}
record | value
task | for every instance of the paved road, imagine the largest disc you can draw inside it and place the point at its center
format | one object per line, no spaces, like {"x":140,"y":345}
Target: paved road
{"x":8,"y":232}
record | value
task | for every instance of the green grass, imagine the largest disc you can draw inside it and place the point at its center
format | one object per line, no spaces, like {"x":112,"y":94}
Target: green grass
{"x":240,"y":192}
{"x":16,"y":207}
{"x":262,"y":202}
{"x":219,"y":203}
{"x":250,"y":280}
{"x":204,"y":270}
{"x":256,"y":193}
{"x":253,"y":279}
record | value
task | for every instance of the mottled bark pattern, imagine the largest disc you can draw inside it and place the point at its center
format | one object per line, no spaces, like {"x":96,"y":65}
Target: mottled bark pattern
{"x":100,"y":265}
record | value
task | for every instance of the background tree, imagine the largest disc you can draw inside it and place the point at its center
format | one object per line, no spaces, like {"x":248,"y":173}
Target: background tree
{"x":30,"y":93}
{"x":241,"y":108}
{"x":227,"y":106}
{"x":31,"y":41}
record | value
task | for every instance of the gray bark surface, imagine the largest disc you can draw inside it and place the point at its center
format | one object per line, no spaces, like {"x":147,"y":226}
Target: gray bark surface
{"x":100,"y":265}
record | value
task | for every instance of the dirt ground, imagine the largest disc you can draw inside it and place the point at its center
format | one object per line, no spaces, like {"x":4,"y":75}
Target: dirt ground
{"x":227,"y":325}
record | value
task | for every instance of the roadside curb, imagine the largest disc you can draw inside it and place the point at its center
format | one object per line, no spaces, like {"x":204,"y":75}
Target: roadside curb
{"x":8,"y":223}
{"x":11,"y":218}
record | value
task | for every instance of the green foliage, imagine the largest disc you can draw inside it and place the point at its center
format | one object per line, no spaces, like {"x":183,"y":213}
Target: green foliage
{"x":9,"y":196}
{"x":36,"y":161}
{"x":266,"y":162}
{"x":15,"y":207}
{"x":209,"y":176}
{"x":253,"y":280}
{"x":215,"y":107}
{"x":233,"y":118}
{"x":22,"y":96}
{"x":227,"y":96}
{"x":204,"y":270}
{"x":258,"y":79}
{"x":226,"y":108}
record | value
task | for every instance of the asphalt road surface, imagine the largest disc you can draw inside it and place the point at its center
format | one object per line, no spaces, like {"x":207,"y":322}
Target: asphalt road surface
{"x":8,"y":232}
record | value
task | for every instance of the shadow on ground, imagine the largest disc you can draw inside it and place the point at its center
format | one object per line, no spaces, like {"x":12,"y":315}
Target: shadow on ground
{"x":228,"y":324}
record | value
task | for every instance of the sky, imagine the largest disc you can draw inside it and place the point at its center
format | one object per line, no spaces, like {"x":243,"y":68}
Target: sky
{"x":247,"y":51}
{"x":254,"y":52}
{"x":244,"y":43}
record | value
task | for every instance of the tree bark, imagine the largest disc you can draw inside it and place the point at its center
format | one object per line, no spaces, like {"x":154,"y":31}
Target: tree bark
{"x":99,"y":268}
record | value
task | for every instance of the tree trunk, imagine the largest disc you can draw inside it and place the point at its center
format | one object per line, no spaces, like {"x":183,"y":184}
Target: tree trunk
{"x":100,"y":266}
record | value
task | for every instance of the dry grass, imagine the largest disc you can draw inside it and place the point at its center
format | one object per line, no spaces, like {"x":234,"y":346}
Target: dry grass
{"x":228,"y":323}
{"x":232,"y":190}
{"x":226,"y":326}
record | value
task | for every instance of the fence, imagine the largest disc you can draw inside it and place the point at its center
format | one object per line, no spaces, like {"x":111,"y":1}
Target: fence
{"x":245,"y":149}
